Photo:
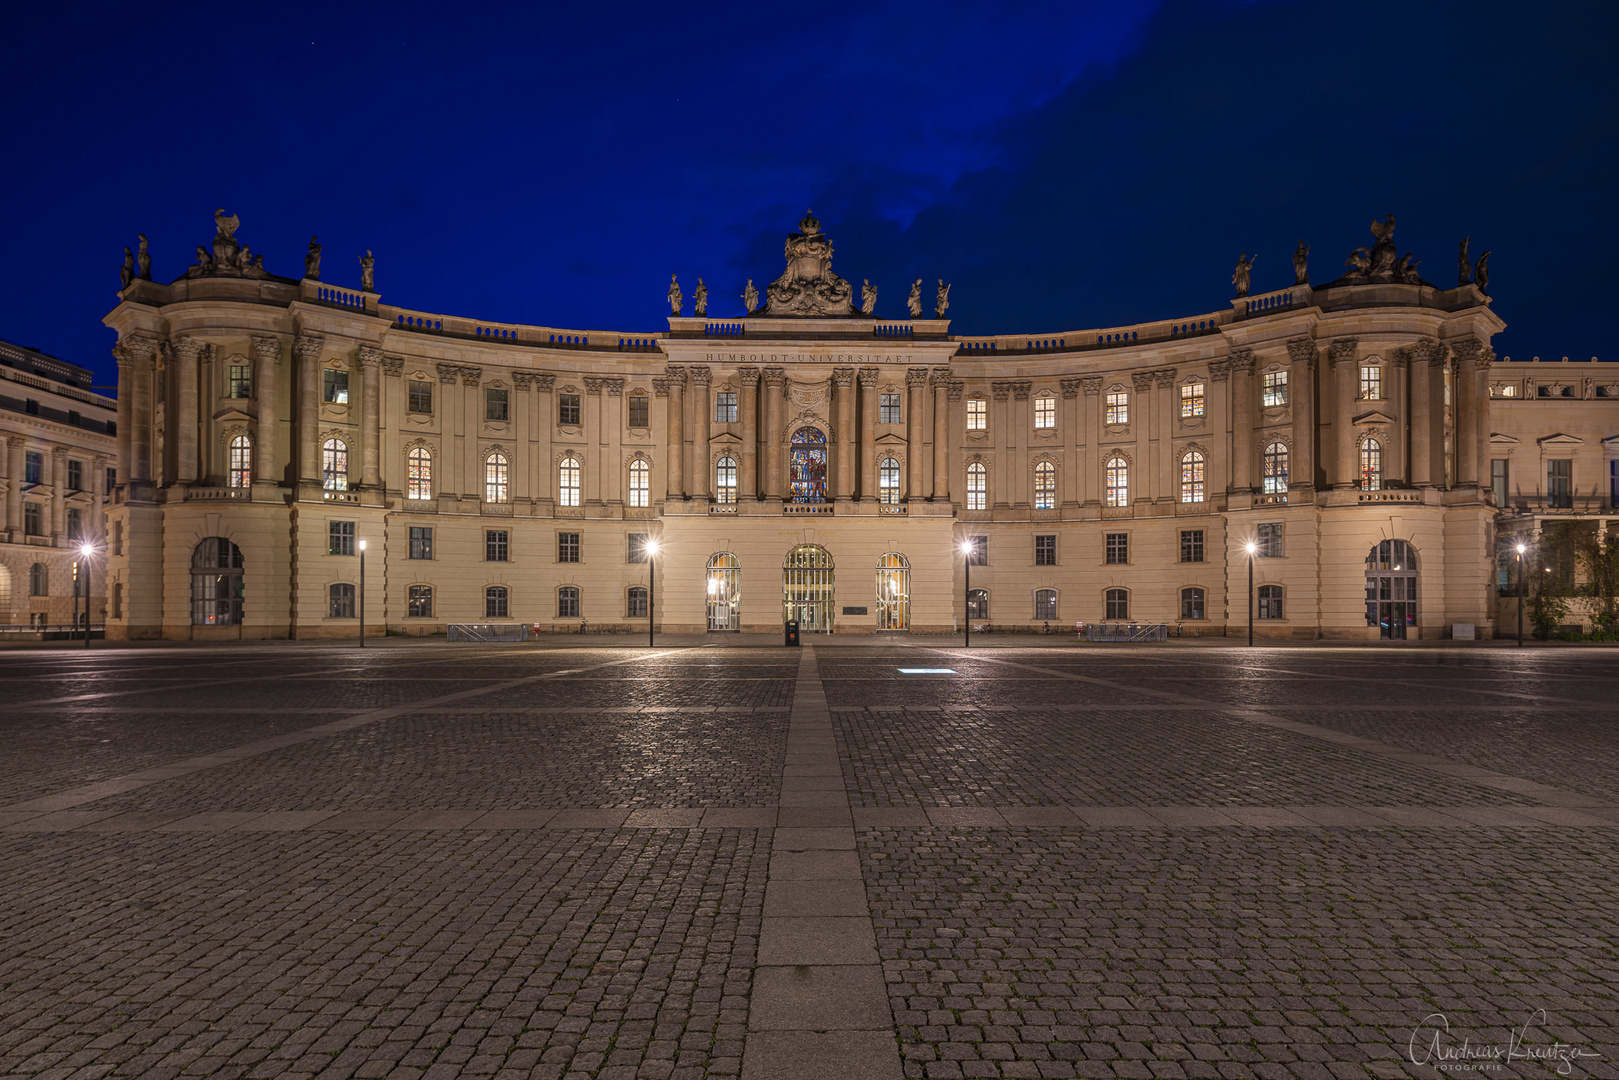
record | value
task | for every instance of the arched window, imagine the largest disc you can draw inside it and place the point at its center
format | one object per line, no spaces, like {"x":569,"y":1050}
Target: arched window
{"x":239,"y":471}
{"x":1371,"y":465}
{"x":1276,"y":469}
{"x":568,"y":482}
{"x":216,"y":583}
{"x":39,"y":582}
{"x":1045,"y":486}
{"x":724,"y":592}
{"x":1192,"y":603}
{"x":893,"y":592}
{"x":1270,"y":601}
{"x":1391,"y":588}
{"x":640,"y":483}
{"x":496,"y":478}
{"x":725,"y":480}
{"x":635,"y":606}
{"x":1118,"y":482}
{"x":568,"y":602}
{"x":977,"y":485}
{"x":807,"y":588}
{"x":419,"y":602}
{"x":1194,"y":477}
{"x":340,"y":601}
{"x":334,"y":465}
{"x":806,"y":465}
{"x":419,"y":478}
{"x":978,"y":604}
{"x":1118,"y":603}
{"x":888,"y":481}
{"x":1045,"y":604}
{"x":494,"y":602}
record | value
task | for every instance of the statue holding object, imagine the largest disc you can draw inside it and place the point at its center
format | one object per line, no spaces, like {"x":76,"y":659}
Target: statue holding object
{"x":1301,"y":264}
{"x":368,"y":278}
{"x":914,"y":301}
{"x":750,"y":297}
{"x":1481,"y":273}
{"x":941,"y":302}
{"x":1240,"y":276}
{"x":675,"y":298}
{"x":1464,"y":269}
{"x":143,"y":260}
{"x":312,"y":260}
{"x":868,"y":297}
{"x":699,"y":300}
{"x":126,"y":272}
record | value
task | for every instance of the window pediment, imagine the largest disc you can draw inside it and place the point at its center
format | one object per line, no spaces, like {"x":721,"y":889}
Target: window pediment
{"x":1561,"y":439}
{"x":1374,"y":416}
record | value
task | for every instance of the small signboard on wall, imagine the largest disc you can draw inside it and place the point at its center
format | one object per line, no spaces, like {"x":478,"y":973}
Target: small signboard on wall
{"x":856,"y":611}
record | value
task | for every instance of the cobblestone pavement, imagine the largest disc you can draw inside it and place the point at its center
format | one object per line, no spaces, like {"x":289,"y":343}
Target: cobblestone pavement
{"x":434,"y":860}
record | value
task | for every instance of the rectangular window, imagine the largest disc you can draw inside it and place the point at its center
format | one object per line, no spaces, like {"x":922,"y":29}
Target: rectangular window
{"x":1560,"y":485}
{"x":495,"y":599}
{"x":1498,"y":480}
{"x":240,"y":382}
{"x":568,"y":410}
{"x":1118,"y":603}
{"x":640,"y":411}
{"x":725,"y":407}
{"x":1118,"y":549}
{"x":1045,"y":412}
{"x":1045,"y":604}
{"x":336,"y":387}
{"x":979,"y":553}
{"x":340,"y":602}
{"x":1118,"y":408}
{"x":33,"y":467}
{"x":888,"y":410}
{"x":636,"y":606}
{"x":1613,"y":483}
{"x":496,"y":545}
{"x":567,"y":547}
{"x":1045,"y":551}
{"x":1371,"y":382}
{"x":977,"y":414}
{"x":1275,"y":388}
{"x":421,"y":542}
{"x":75,"y":524}
{"x":635,"y":551}
{"x":340,"y":538}
{"x":420,"y":396}
{"x":497,"y":406}
{"x":1191,"y":400}
{"x":1270,"y":541}
{"x":1191,"y":545}
{"x":1192,"y":603}
{"x":33,"y":519}
{"x":75,"y":475}
{"x":420,"y":605}
{"x":567,"y":602}
{"x":112,"y":479}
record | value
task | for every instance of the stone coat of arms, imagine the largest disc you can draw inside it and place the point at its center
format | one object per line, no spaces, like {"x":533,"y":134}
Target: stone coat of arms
{"x":809,"y":287}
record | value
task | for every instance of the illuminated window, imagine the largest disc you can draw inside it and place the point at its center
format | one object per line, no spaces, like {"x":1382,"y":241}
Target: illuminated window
{"x":1045,"y":411}
{"x":496,"y":475}
{"x":1045,"y":486}
{"x":1274,"y":389}
{"x":1371,"y":465}
{"x":1118,"y":482}
{"x":1371,"y":382}
{"x":977,"y":484}
{"x":977,"y":551}
{"x":241,"y":381}
{"x":725,"y":480}
{"x":725,"y":407}
{"x":1194,"y":479}
{"x":1117,"y":408}
{"x":888,"y":480}
{"x":420,"y":396}
{"x":216,"y":583}
{"x":334,"y":465}
{"x":335,"y":387}
{"x":640,"y":483}
{"x":888,"y":409}
{"x":568,"y":481}
{"x":977,"y":414}
{"x":1191,"y":400}
{"x":1276,"y":469}
{"x":419,"y":474}
{"x":496,"y":405}
{"x":240,"y":466}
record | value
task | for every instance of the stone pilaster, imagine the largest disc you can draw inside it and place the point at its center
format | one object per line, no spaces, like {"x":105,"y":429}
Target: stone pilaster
{"x":140,"y":349}
{"x":1341,"y":354}
{"x":675,"y":386}
{"x":1074,"y":438}
{"x":309,"y":347}
{"x":1091,"y":473}
{"x":916,"y":380}
{"x":702,"y":414}
{"x":775,"y":380}
{"x":58,"y":478}
{"x":188,"y":352}
{"x":1303,"y":354}
{"x":941,"y":433}
{"x":1244,"y":401}
{"x":266,"y":453}
{"x":370,"y":359}
{"x":846,"y":441}
{"x":1472,"y":408}
{"x":748,"y":377}
{"x":16,"y":469}
{"x":470,"y":469}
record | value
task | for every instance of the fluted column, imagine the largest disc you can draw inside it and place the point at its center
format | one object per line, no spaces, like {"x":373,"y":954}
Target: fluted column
{"x":868,"y":431}
{"x":1471,"y":408}
{"x":1073,"y":435}
{"x":266,"y":459}
{"x":187,"y":352}
{"x":748,"y":488}
{"x":370,"y":416}
{"x":469,"y":471}
{"x":141,"y":349}
{"x":941,"y":433}
{"x":1091,"y":470}
{"x":1426,"y":360}
{"x":702,"y":413}
{"x":1244,"y":397}
{"x":1301,"y":399}
{"x":675,"y":386}
{"x":775,"y":386}
{"x":1345,"y":381}
{"x":16,"y":467}
{"x":309,"y":347}
{"x":916,"y":380}
{"x":846,"y":437}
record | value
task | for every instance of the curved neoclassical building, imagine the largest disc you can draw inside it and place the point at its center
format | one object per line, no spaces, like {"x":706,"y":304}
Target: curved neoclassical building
{"x":807,"y":460}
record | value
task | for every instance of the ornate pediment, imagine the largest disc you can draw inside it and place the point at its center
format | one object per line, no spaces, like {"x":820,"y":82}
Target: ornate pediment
{"x":1560,"y":439}
{"x":233,"y":414}
{"x":809,"y":287}
{"x":1375,"y":416}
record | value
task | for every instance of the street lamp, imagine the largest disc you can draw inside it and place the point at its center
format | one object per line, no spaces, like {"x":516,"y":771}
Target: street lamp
{"x":85,"y":551}
{"x":967,"y":549}
{"x":1252,"y":547}
{"x":1522,"y":547}
{"x":651,"y":549}
{"x":362,"y":594}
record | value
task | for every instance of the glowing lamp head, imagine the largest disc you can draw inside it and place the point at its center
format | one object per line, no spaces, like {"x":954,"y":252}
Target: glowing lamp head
{"x":651,"y":548}
{"x":966,"y":547}
{"x":1522,"y":548}
{"x":86,"y":550}
{"x":362,"y":545}
{"x":1251,"y":547}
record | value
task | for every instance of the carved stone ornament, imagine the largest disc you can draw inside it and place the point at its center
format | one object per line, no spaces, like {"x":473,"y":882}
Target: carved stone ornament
{"x":953,"y":391}
{"x":266,"y":347}
{"x":809,"y":287}
{"x":594,"y":384}
{"x":1381,"y":264}
{"x":660,"y":387}
{"x":808,"y":397}
{"x":869,"y":376}
{"x":1142,"y":380}
{"x":676,"y":374}
{"x":701,"y":374}
{"x":448,"y":373}
{"x":369,"y":355}
{"x":471,"y":376}
{"x":1242,"y":360}
{"x":190,"y":349}
{"x":843,"y":377}
{"x":916,"y":377}
{"x":1000,"y":390}
{"x":1427,"y":351}
{"x":1093,"y":385}
{"x":774,"y":376}
{"x":393,"y":365}
{"x":1164,"y":378}
{"x":748,"y":375}
{"x":229,"y":258}
{"x":309,"y":346}
{"x":1070,"y":387}
{"x":1302,"y":350}
{"x":1219,"y":370}
{"x":615,"y":386}
{"x":1341,"y":350}
{"x":1400,"y":359}
{"x":1020,"y":391}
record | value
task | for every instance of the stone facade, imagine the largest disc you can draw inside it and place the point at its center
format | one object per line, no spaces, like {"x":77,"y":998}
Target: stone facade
{"x":1115,"y":473}
{"x":54,"y":484}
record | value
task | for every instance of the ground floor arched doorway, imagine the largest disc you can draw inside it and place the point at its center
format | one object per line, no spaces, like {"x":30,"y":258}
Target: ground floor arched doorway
{"x":1391,"y":589}
{"x":724,"y":592}
{"x":807,"y":588}
{"x":893,"y":592}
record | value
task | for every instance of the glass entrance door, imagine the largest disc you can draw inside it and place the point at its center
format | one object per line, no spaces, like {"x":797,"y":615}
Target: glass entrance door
{"x":1391,"y":589}
{"x":807,"y":589}
{"x":724,"y":592}
{"x":893,"y":592}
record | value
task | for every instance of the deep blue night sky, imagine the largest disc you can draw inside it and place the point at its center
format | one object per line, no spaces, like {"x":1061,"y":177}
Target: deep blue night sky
{"x":1064,"y":165}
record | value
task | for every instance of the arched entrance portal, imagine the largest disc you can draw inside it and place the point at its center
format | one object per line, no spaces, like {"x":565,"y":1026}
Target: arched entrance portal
{"x":1391,"y":588}
{"x":807,"y":588}
{"x":893,"y":592}
{"x":724,"y":592}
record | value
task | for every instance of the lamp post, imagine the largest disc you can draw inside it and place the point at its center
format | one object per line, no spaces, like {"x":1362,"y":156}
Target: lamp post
{"x":1522,"y":547}
{"x":967,"y":601}
{"x":86,"y":552}
{"x":362,"y":594}
{"x":651,"y":550}
{"x":1252,"y":547}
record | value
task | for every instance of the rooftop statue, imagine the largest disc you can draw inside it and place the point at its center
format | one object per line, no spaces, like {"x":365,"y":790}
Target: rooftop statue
{"x":368,"y":273}
{"x":126,"y":272}
{"x":675,"y":299}
{"x":1241,"y":275}
{"x":750,"y":297}
{"x":1481,"y":273}
{"x":699,"y":300}
{"x":1359,"y":261}
{"x":143,"y":260}
{"x":312,"y":260}
{"x":868,"y":297}
{"x":1464,"y":269}
{"x":941,"y":302}
{"x":809,"y":287}
{"x":1301,"y":264}
{"x":1405,"y":270}
{"x":914,"y":301}
{"x":1383,"y":250}
{"x":229,"y":258}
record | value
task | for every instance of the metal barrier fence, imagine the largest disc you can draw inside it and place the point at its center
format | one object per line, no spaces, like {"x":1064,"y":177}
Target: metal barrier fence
{"x":1120,"y":631}
{"x":487,"y":631}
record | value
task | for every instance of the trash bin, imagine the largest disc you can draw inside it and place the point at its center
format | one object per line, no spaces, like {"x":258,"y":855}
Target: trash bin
{"x":792,"y":632}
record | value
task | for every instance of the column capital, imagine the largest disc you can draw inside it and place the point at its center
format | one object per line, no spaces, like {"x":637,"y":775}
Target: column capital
{"x":774,"y":376}
{"x":393,"y":365}
{"x":594,"y":384}
{"x":916,"y":376}
{"x":1000,"y":390}
{"x":1020,"y":390}
{"x":615,"y":386}
{"x":1342,"y":350}
{"x":1070,"y":387}
{"x":368,"y":355}
{"x":1142,"y":380}
{"x":59,"y":452}
{"x":869,"y":376}
{"x":15,"y":442}
{"x":843,"y":377}
{"x":1400,"y":358}
{"x":448,"y":373}
{"x":136,"y":347}
{"x":470,"y":376}
{"x":749,"y":375}
{"x":955,"y":389}
{"x":267,"y":347}
{"x":1303,"y":350}
{"x":1470,"y":351}
{"x":701,"y":374}
{"x":940,"y":377}
{"x":190,"y":348}
{"x":1164,"y":378}
{"x":309,"y":346}
{"x":676,"y":374}
{"x":1242,"y":360}
{"x":1219,"y":370}
{"x":660,"y":387}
